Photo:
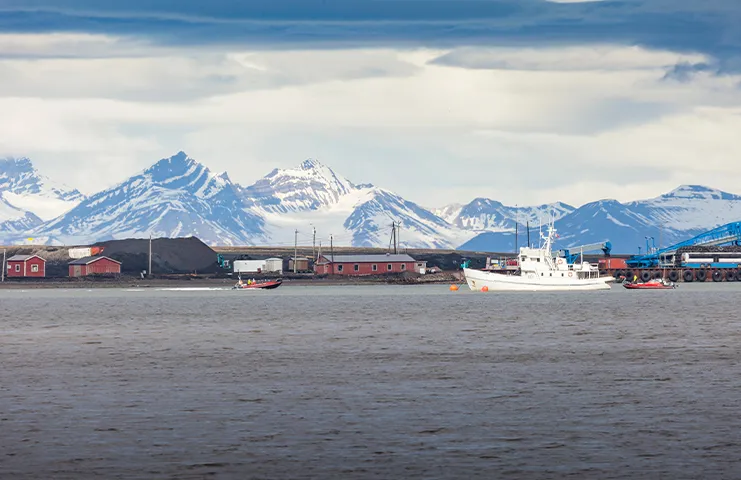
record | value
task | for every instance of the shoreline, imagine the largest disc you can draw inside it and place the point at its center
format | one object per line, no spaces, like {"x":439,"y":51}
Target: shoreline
{"x":134,"y":282}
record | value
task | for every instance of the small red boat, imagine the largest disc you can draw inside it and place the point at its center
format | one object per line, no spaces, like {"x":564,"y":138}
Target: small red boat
{"x":658,"y":284}
{"x":267,"y":285}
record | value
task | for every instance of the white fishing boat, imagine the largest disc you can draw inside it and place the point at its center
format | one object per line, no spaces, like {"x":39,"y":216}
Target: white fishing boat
{"x":540,"y":270}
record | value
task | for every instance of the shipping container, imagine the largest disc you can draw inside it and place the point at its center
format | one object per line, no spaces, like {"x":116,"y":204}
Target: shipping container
{"x":249,"y":266}
{"x":274,"y":265}
{"x":612,"y":263}
{"x":80,"y":252}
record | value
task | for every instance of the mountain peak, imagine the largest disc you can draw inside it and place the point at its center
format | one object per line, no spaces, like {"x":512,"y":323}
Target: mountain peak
{"x":175,"y":167}
{"x":310,"y":163}
{"x":23,"y":187}
{"x":699,"y":192}
{"x":16,"y":164}
{"x":309,"y":186}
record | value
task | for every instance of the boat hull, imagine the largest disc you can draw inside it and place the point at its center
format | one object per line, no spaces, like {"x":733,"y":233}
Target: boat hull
{"x":646,"y":286}
{"x":259,"y":286}
{"x":478,"y":279}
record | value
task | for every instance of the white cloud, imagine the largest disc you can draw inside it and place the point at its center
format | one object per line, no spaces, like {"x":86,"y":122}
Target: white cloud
{"x":525,"y":126}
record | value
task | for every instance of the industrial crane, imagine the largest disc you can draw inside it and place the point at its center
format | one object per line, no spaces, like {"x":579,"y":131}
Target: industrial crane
{"x":728,"y":234}
{"x":605,"y":247}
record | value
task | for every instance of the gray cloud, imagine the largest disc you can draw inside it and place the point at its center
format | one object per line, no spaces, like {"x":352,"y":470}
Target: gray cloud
{"x":709,"y":27}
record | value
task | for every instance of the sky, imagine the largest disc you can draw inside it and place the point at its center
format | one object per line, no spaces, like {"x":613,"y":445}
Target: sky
{"x":441,"y":101}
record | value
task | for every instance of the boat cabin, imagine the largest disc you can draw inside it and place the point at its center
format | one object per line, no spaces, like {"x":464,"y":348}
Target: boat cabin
{"x":540,"y":262}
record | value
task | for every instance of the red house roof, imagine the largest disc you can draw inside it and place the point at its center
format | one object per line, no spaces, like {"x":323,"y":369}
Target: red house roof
{"x":24,"y":258}
{"x":89,"y":260}
{"x":370,"y":258}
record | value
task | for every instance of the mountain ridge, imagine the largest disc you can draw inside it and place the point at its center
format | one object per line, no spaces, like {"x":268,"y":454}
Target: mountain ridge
{"x":179,"y":196}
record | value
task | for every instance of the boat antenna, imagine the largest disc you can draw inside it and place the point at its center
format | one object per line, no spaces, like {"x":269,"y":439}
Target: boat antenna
{"x":517,"y":235}
{"x":540,"y":229}
{"x":528,"y":232}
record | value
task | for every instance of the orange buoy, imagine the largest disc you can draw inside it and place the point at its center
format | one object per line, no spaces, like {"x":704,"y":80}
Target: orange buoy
{"x":484,"y":288}
{"x":454,"y":288}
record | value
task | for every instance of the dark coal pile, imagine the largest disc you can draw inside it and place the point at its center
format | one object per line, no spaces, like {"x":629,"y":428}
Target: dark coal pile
{"x":169,"y":255}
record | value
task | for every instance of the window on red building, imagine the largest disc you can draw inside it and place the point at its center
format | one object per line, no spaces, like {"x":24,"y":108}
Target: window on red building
{"x":374,"y":267}
{"x":356,"y":267}
{"x":403,"y":266}
{"x":339,"y":268}
{"x":17,"y":268}
{"x":34,"y":268}
{"x":389,"y":267}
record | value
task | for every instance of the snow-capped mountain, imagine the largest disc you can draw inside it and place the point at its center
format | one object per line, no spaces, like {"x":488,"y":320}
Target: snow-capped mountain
{"x":483,"y":214}
{"x":178,"y":196}
{"x":314,"y":196}
{"x":14,"y":221}
{"x":670,"y":218}
{"x":175,"y":197}
{"x":311,"y":186}
{"x":371,"y":220}
{"x":24,"y":188}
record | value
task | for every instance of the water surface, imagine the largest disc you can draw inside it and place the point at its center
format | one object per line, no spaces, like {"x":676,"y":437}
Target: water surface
{"x":370,"y":382}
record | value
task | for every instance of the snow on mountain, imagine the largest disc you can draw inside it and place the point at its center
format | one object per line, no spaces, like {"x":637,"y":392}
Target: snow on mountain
{"x":311,"y":186}
{"x":691,"y":208}
{"x":14,"y":221}
{"x":23,"y":187}
{"x":371,"y":222}
{"x":665,"y":220}
{"x":449,"y":213}
{"x":314,"y":196}
{"x":483,"y":214}
{"x":176,"y":197}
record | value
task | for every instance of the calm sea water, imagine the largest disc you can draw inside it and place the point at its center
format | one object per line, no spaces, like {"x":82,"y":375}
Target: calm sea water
{"x":370,"y":382}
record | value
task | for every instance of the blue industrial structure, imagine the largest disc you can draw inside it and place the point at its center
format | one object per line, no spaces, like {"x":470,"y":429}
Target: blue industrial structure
{"x":605,"y":247}
{"x":729,"y":234}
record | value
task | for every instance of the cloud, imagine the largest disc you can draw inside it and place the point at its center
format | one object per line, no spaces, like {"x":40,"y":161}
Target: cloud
{"x":539,"y":130}
{"x":603,"y":57}
{"x":708,"y":27}
{"x":684,"y":71}
{"x":131,"y":71}
{"x":525,"y":101}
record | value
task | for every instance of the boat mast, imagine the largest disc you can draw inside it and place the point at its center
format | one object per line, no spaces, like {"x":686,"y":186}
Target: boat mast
{"x":517,"y":237}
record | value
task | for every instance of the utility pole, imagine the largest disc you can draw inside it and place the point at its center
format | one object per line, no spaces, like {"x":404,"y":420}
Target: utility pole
{"x":393,"y":235}
{"x":295,"y":250}
{"x":149,"y":272}
{"x":4,"y":266}
{"x":398,"y":235}
{"x":331,"y":252}
{"x":313,"y":244}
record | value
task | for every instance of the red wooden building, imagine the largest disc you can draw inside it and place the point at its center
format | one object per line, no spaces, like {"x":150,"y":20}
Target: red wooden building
{"x":26,"y":266}
{"x":365,"y":264}
{"x":93,"y":265}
